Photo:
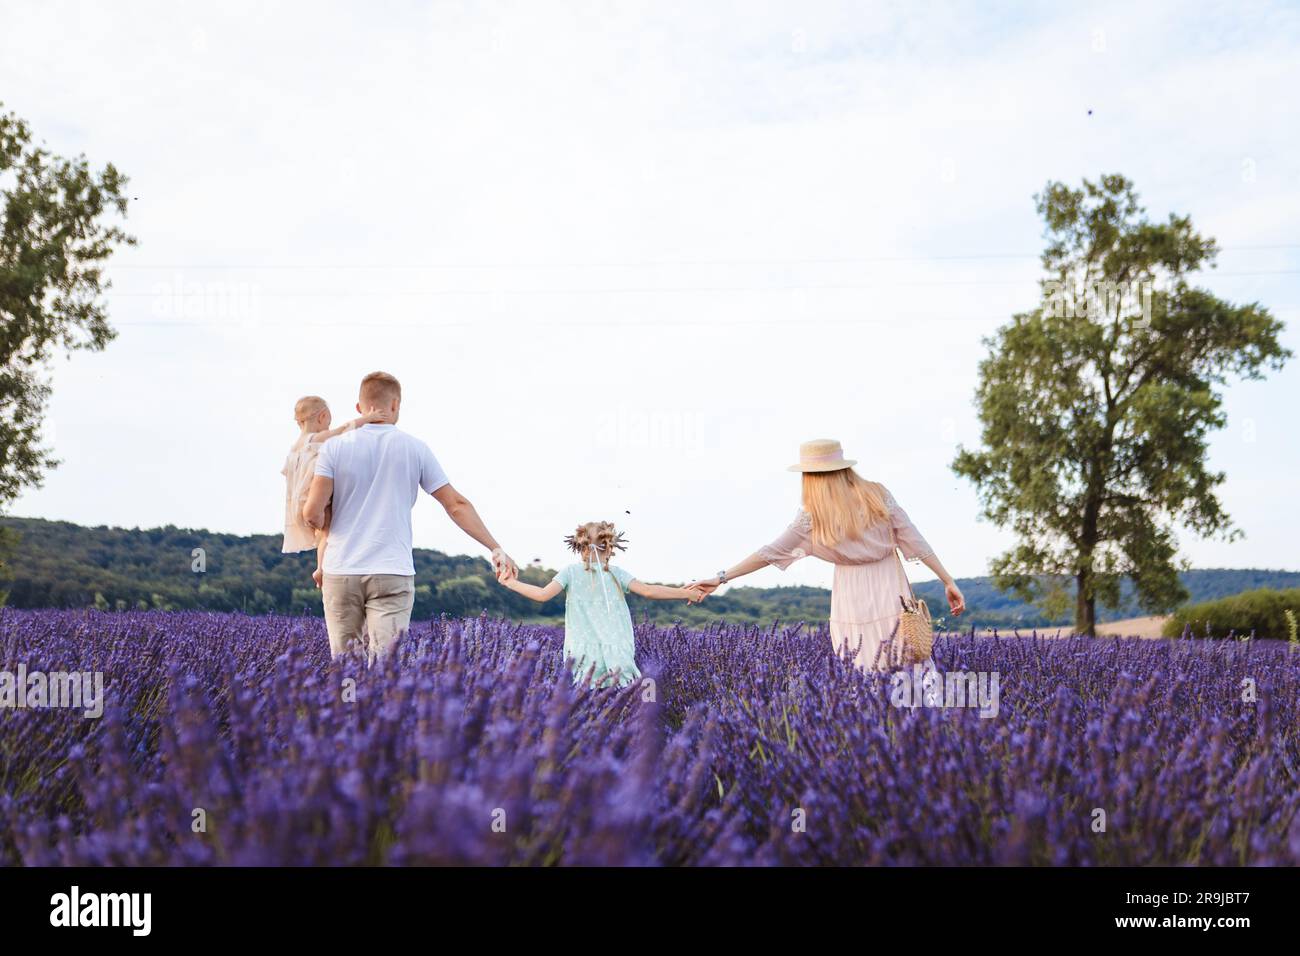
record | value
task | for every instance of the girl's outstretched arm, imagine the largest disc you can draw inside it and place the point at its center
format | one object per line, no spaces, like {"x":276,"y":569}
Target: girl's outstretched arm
{"x":662,"y":592}
{"x":532,"y":591}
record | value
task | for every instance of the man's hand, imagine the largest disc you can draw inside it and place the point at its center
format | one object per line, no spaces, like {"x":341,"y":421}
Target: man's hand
{"x":319,"y":494}
{"x":318,"y":577}
{"x":504,"y":566}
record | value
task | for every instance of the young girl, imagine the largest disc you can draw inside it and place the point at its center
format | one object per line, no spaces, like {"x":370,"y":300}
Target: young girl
{"x":313,"y":418}
{"x":597,"y":622}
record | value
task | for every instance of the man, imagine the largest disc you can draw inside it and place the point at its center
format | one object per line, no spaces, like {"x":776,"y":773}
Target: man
{"x":374,"y":476}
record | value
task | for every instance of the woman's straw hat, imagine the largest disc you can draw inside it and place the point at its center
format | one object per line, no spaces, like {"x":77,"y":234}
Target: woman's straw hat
{"x":822,"y":454}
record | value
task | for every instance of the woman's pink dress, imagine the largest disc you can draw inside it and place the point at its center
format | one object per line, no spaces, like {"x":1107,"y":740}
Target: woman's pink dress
{"x":865,"y":593}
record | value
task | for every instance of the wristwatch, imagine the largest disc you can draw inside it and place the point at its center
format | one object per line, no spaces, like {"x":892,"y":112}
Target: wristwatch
{"x":722,"y":577}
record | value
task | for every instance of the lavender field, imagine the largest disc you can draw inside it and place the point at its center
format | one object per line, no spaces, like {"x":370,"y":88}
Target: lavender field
{"x":234,"y":740}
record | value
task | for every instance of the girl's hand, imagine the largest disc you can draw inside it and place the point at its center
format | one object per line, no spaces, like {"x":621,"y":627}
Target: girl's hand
{"x":374,"y":417}
{"x":956,"y":603}
{"x":504,"y":565}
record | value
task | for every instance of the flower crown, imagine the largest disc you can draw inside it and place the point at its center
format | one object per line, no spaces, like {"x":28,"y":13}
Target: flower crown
{"x":596,"y":537}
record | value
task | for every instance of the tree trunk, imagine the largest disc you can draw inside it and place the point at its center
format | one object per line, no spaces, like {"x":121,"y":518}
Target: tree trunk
{"x":1085,"y":605}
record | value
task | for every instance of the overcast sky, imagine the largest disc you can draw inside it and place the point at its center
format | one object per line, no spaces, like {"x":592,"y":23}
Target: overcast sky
{"x":624,"y":257}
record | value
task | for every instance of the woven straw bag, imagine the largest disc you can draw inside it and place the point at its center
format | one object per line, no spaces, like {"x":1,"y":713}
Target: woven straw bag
{"x":915,"y":628}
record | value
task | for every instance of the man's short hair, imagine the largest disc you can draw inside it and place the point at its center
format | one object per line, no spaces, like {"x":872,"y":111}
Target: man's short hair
{"x":379,"y":388}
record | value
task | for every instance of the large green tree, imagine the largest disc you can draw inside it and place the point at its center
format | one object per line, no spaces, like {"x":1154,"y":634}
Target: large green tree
{"x":1096,"y":407}
{"x":56,"y":236}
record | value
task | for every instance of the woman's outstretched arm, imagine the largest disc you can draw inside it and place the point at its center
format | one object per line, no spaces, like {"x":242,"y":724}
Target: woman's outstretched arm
{"x":747,"y":566}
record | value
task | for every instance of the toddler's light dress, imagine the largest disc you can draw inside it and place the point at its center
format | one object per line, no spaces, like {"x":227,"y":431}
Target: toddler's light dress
{"x":597,"y":624}
{"x":298,"y":469}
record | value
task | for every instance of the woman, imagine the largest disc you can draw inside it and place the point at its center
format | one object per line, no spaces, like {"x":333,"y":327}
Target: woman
{"x":855,"y":524}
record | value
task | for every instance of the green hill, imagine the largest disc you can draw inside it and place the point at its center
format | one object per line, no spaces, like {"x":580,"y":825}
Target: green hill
{"x":60,"y":564}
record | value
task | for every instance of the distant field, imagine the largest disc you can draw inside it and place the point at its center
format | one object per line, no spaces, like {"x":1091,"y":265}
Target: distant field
{"x":1133,"y":627}
{"x":1128,"y":627}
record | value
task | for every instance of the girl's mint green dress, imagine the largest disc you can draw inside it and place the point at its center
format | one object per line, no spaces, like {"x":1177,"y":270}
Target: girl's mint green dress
{"x":598,"y":624}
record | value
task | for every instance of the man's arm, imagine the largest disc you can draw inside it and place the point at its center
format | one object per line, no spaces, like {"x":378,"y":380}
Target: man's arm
{"x":322,"y":536}
{"x":460,"y":510}
{"x":318,"y":496}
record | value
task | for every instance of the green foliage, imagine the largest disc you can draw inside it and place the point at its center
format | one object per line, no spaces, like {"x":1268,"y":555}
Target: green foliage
{"x":8,"y":545}
{"x":58,"y":564}
{"x":1264,"y":611}
{"x":53,"y":244}
{"x":1096,"y":423}
{"x":462,"y":596}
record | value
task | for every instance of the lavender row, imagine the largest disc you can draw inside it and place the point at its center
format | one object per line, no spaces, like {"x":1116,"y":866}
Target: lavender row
{"x":224,"y":739}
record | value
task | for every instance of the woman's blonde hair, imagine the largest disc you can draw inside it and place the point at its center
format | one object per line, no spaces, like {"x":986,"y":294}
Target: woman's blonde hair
{"x":842,"y":504}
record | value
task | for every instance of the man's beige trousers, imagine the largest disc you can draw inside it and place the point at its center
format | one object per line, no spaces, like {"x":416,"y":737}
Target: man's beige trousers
{"x":361,"y":605}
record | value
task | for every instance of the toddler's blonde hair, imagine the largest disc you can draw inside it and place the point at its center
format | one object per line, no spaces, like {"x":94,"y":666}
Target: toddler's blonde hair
{"x":599,"y":538}
{"x":308,"y":406}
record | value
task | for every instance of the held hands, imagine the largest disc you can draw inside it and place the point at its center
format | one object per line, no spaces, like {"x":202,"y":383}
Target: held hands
{"x":504,"y":566}
{"x":703,"y":588}
{"x":694,"y":595}
{"x":317,"y":576}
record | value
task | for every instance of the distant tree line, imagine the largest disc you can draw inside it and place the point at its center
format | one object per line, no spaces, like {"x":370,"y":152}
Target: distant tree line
{"x":60,"y":564}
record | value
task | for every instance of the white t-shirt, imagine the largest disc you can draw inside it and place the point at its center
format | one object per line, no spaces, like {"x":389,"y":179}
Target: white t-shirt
{"x":378,"y":472}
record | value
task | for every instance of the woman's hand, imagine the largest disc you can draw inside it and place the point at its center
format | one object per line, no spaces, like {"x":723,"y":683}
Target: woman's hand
{"x":956,"y":603}
{"x":704,"y":587}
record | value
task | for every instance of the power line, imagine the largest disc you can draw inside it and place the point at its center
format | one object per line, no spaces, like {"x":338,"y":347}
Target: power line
{"x":645,"y":263}
{"x":238,"y":322}
{"x":639,"y":290}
